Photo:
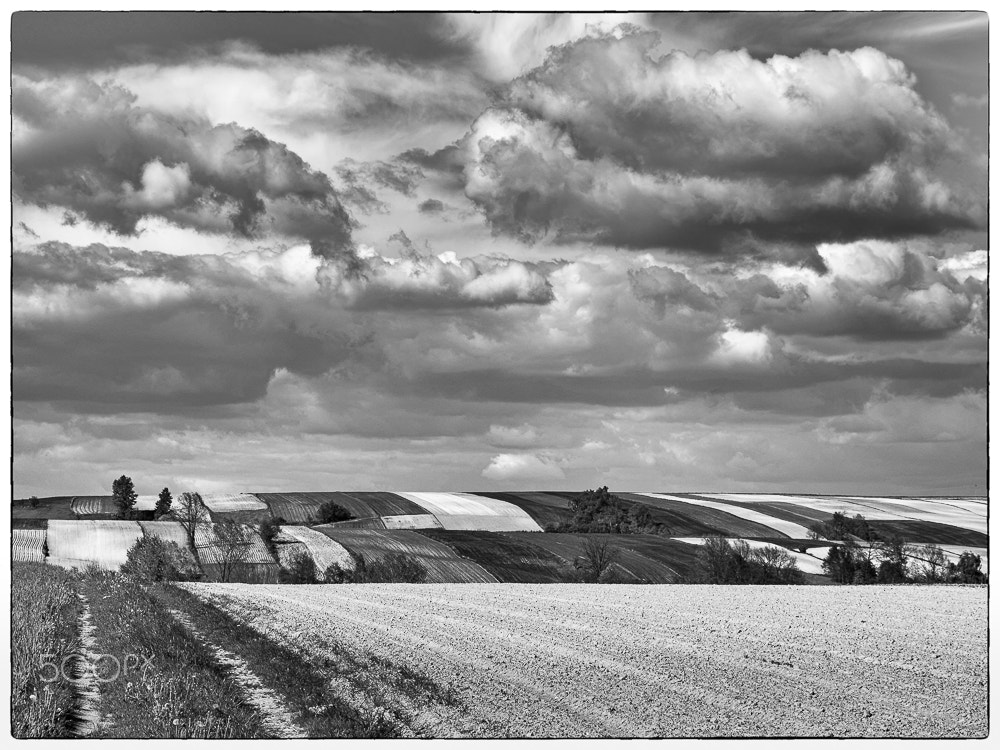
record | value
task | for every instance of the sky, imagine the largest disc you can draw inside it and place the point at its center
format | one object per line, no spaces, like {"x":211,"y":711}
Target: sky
{"x":661,"y":252}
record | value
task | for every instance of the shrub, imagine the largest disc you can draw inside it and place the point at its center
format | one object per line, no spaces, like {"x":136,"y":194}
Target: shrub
{"x":300,"y":568}
{"x":967,"y":570}
{"x":393,"y":568}
{"x":723,"y":562}
{"x":153,"y":559}
{"x":33,"y":501}
{"x":268,"y":530}
{"x":331,"y":512}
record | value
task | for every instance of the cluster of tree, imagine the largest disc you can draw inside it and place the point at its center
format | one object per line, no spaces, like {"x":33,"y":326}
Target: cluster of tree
{"x":601,"y":512}
{"x":392,"y":568}
{"x":726,"y":561}
{"x":124,"y":496}
{"x":331,"y":512}
{"x":152,"y":559}
{"x":866,"y":555}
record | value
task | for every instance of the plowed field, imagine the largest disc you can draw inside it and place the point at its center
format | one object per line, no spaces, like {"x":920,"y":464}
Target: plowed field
{"x":443,"y":565}
{"x":301,"y":507}
{"x":679,"y":661}
{"x":27,"y":545}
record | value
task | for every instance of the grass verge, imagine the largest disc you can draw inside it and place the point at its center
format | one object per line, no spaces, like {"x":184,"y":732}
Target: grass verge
{"x":156,"y":680}
{"x":303,"y":684}
{"x":43,"y":637}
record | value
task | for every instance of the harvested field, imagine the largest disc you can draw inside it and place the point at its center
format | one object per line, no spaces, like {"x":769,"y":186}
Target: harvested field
{"x":443,"y":565}
{"x":77,"y":544}
{"x":633,"y":565}
{"x":687,"y":519}
{"x":206,"y":540}
{"x":542,"y":506}
{"x":27,"y":545}
{"x":94,"y":505}
{"x":509,"y":558}
{"x":422,"y":521}
{"x":239,"y":506}
{"x":488,"y":523}
{"x":782,"y":527}
{"x":324,"y":550}
{"x":698,"y":661}
{"x":301,"y":507}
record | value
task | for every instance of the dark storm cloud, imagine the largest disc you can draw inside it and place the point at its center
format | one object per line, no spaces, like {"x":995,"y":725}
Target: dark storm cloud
{"x":89,"y":148}
{"x":360,"y":178}
{"x":609,"y":143}
{"x":74,"y":40}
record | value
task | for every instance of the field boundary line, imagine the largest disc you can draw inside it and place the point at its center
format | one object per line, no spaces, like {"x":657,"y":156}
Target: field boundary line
{"x":276,"y":717}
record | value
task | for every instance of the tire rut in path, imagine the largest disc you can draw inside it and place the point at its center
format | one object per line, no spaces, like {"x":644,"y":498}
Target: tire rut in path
{"x":86,"y":712}
{"x":276,"y":717}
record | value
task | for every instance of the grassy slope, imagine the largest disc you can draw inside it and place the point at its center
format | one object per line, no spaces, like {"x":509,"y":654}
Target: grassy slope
{"x":44,"y":613}
{"x":635,"y":565}
{"x":57,"y":508}
{"x":510,"y":559}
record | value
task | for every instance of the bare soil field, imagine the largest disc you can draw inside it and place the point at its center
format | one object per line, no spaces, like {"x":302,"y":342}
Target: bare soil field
{"x":636,"y":661}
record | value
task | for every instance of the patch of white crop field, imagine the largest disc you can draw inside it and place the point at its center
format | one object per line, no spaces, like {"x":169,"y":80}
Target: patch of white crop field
{"x":233,"y":502}
{"x":77,"y":544}
{"x":786,"y":528}
{"x":459,"y":511}
{"x":324,"y":550}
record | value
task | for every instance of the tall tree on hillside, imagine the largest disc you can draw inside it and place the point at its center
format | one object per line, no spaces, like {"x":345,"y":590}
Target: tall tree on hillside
{"x":191,"y":514}
{"x":163,"y":503}
{"x":123,"y":493}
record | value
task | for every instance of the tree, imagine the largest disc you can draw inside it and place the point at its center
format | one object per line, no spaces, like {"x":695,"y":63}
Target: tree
{"x":232,"y":540}
{"x":124,"y":496}
{"x":967,"y":570}
{"x":162,"y":503}
{"x":268,"y":530}
{"x":331,"y":512}
{"x":33,"y":501}
{"x":391,"y":568}
{"x":191,"y":514}
{"x":300,"y":568}
{"x":930,"y":563}
{"x":597,"y":559}
{"x":152,"y":559}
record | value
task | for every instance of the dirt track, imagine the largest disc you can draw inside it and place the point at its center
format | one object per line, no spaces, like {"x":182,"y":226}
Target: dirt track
{"x":706,"y":661}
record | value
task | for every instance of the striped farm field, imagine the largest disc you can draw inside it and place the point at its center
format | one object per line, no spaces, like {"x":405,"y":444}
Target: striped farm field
{"x":362,"y":523}
{"x":255,"y":563}
{"x":572,"y":661}
{"x":28,"y":545}
{"x":420,"y":521}
{"x":302,"y":507}
{"x":779,"y":526}
{"x":77,"y":544}
{"x":324,"y":550}
{"x":443,"y":565}
{"x":681,"y":518}
{"x":466,"y":512}
{"x":237,"y":506}
{"x":94,"y":505}
{"x":544,"y":507}
{"x":168,"y":531}
{"x":634,"y":565}
{"x":510,"y":558}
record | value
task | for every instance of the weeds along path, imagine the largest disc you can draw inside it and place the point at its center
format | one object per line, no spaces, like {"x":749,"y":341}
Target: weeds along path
{"x":87,"y":708}
{"x":277,"y":720}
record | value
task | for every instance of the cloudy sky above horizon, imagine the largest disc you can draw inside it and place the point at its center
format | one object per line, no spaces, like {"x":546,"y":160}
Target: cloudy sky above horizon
{"x":663,"y":252}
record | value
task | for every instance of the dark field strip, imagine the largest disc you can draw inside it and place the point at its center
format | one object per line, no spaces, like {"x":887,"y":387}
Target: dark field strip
{"x":930,"y":532}
{"x":633,"y":564}
{"x":443,"y":565}
{"x":678,"y":556}
{"x":510,"y":559}
{"x":358,"y":504}
{"x":686,"y":519}
{"x":359,"y":523}
{"x":543,"y":507}
{"x":785,"y":511}
{"x":53,"y":508}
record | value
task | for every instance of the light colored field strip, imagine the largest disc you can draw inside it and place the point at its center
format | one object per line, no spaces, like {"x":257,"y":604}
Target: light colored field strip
{"x":276,"y":718}
{"x":88,"y":694}
{"x":75,"y":544}
{"x":233,"y":502}
{"x":793,"y":530}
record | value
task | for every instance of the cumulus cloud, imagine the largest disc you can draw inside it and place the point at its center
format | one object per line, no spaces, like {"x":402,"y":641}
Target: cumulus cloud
{"x":508,"y":467}
{"x":501,"y":436}
{"x":89,"y":148}
{"x":606,"y":142}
